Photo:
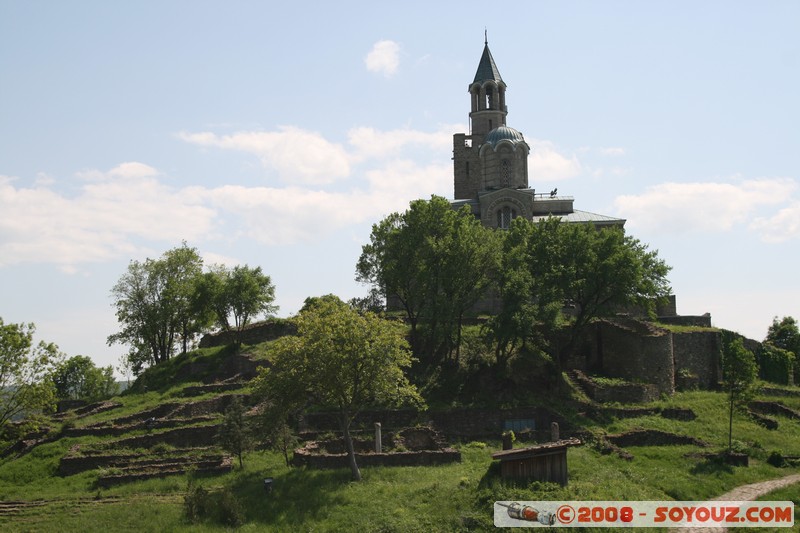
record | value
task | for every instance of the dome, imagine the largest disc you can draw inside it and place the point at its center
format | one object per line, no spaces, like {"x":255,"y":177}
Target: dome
{"x":504,"y":133}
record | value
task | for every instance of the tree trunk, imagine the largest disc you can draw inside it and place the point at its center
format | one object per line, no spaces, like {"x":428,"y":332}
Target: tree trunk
{"x":348,"y":441}
{"x":730,"y":425}
{"x":458,"y":337}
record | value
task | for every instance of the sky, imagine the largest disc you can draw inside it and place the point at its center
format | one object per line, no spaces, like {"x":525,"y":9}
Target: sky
{"x":274,"y":134}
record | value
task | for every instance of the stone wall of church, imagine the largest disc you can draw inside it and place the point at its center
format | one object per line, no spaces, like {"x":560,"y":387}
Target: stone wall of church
{"x":466,"y":167}
{"x":500,"y":175}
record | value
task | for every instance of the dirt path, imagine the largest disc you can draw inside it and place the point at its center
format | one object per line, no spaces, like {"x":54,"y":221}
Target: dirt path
{"x":743,"y":493}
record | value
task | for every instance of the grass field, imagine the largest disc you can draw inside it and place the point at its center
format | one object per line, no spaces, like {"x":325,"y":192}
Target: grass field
{"x":455,"y":497}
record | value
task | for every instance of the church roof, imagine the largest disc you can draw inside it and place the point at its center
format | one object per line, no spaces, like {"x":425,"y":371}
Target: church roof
{"x":487,"y":70}
{"x":583,"y":217}
{"x":503,"y":133}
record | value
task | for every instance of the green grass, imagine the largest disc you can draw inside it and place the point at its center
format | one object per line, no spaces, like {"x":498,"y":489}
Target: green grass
{"x":455,"y":497}
{"x":676,"y":328}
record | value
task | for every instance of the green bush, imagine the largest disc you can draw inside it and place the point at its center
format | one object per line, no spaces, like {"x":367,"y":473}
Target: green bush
{"x":223,"y":507}
{"x":231,"y":511}
{"x":776,"y":459}
{"x":196,"y":503}
{"x":775,"y":364}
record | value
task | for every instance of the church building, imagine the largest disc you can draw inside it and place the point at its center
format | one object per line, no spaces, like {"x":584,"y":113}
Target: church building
{"x":490,"y":164}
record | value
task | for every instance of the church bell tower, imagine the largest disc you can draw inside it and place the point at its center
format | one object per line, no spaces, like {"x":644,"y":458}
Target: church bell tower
{"x":488,"y":96}
{"x":490,"y":164}
{"x":493,"y":156}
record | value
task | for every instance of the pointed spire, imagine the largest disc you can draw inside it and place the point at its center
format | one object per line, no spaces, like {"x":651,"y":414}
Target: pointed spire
{"x":487,"y":70}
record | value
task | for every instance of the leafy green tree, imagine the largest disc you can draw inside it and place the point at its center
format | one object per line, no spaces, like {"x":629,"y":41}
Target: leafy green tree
{"x":78,"y":378}
{"x":284,"y":440}
{"x":785,"y":334}
{"x":551,"y":264}
{"x":184,"y":267}
{"x":373,"y":302}
{"x":155,"y":306}
{"x":235,"y":434}
{"x":272,"y":421}
{"x":605,"y":271}
{"x":25,"y":385}
{"x":739,"y":373}
{"x":436,"y":263}
{"x":238,"y":295}
{"x":313,"y":301}
{"x":530,"y":286}
{"x":339,"y":359}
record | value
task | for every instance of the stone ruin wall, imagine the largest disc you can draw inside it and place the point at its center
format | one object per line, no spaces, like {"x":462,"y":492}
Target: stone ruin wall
{"x":252,"y":334}
{"x":642,"y":352}
{"x":635,"y":351}
{"x":463,"y":423}
{"x":699,"y":352}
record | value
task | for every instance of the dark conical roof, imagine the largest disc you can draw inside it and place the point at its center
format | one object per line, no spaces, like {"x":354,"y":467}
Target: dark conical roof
{"x":487,"y":70}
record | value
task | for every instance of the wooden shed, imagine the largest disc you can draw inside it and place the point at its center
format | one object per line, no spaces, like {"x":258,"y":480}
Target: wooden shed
{"x":543,"y":462}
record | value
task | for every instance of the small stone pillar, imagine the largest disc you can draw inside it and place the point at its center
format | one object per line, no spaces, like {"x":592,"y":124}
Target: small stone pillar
{"x":554,"y":436}
{"x":508,"y":440}
{"x":378,"y":443}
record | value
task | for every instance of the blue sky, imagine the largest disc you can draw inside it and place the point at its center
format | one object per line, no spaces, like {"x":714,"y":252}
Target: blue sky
{"x":275,"y":135}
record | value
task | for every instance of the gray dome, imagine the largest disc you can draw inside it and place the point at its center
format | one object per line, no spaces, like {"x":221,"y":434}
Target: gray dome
{"x":504,"y":133}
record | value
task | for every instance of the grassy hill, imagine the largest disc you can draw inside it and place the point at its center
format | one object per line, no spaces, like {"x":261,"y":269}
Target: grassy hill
{"x":141,"y":431}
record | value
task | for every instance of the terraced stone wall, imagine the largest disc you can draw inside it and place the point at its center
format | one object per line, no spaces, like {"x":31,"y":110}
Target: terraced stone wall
{"x":636,"y":351}
{"x":699,"y":353}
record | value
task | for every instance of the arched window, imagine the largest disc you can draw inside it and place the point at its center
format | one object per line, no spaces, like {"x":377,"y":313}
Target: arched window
{"x":504,"y":217}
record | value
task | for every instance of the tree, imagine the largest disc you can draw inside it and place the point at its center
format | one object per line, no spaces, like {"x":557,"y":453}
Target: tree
{"x":339,"y":359}
{"x":155,"y":306}
{"x":605,"y":271}
{"x":184,"y":266}
{"x":593,"y":271}
{"x":235,"y":435}
{"x":238,"y":295}
{"x":78,"y":378}
{"x":436,"y":263}
{"x":739,"y":373}
{"x":284,"y":440}
{"x":25,"y":387}
{"x":373,"y":302}
{"x":785,"y":334}
{"x":530,"y":286}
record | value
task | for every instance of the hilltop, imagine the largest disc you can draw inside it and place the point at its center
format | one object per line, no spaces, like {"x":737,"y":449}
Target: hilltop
{"x":137,"y":460}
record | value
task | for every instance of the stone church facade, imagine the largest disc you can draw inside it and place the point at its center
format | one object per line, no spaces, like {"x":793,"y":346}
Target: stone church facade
{"x":490,"y":164}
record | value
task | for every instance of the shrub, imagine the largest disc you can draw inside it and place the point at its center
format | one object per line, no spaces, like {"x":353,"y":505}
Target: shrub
{"x":196,"y":503}
{"x":231,"y":511}
{"x":775,"y":364}
{"x":776,"y":459}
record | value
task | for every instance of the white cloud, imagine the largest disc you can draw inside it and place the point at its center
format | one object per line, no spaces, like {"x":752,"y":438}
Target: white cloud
{"x":372,"y":143}
{"x":212,"y":258}
{"x":384,"y":58}
{"x":548,"y":164}
{"x":279,"y":216}
{"x":297,"y":155}
{"x":128,"y":170}
{"x":612,"y":151}
{"x":782,"y":226}
{"x":129,"y":210}
{"x":703,"y":206}
{"x":104,"y":220}
{"x":401,"y":181}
